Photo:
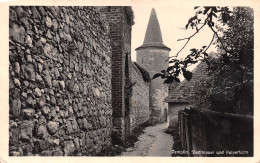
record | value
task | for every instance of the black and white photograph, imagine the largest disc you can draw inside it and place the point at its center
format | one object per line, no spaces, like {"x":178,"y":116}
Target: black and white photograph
{"x":166,"y":80}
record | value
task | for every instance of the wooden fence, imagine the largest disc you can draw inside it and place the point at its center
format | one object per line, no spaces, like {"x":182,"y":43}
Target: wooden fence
{"x":215,"y":134}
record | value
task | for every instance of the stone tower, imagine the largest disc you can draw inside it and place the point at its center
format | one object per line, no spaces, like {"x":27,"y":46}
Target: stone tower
{"x":152,"y":56}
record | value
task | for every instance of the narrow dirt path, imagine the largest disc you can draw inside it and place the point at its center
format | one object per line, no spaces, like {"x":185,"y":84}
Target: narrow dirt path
{"x":154,"y":142}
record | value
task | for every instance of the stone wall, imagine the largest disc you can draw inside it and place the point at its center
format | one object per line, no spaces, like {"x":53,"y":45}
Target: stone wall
{"x":140,"y":111}
{"x":60,"y":81}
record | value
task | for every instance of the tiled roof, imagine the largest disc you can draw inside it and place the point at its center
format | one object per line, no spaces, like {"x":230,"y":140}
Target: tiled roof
{"x":185,"y":89}
{"x":142,"y":71}
{"x":153,"y":35}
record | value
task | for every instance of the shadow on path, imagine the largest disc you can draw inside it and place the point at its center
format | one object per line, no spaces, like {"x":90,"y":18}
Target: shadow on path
{"x":153,"y":142}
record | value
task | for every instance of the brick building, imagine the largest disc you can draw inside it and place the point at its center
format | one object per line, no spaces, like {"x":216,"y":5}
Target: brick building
{"x":130,"y":82}
{"x":120,"y":21}
{"x":152,"y":56}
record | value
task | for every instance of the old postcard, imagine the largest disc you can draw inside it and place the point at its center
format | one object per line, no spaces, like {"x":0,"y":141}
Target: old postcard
{"x":129,"y":81}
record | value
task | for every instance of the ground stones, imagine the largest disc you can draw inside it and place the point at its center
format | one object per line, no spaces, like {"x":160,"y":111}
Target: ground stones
{"x":48,"y":22}
{"x":28,"y":113}
{"x":41,"y":131}
{"x":15,"y":107}
{"x":53,"y":127}
{"x":38,"y":92}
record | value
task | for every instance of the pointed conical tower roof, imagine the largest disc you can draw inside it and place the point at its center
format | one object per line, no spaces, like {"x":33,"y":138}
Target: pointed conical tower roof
{"x":153,"y":35}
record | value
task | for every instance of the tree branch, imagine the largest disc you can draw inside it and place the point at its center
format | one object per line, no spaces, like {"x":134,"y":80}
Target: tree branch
{"x":210,"y":42}
{"x":188,"y":39}
{"x":219,"y":40}
{"x":197,"y":31}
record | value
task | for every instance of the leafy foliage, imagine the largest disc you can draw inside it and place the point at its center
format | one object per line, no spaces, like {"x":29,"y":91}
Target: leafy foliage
{"x":205,"y":16}
{"x":229,"y":86}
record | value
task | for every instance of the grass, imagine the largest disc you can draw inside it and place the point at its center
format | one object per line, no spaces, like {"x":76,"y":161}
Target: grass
{"x":177,"y":144}
{"x":116,"y":150}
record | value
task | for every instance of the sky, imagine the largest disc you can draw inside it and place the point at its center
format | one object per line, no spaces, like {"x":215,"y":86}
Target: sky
{"x":172,"y":18}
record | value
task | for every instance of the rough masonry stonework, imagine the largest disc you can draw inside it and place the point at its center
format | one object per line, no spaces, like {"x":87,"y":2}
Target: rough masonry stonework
{"x":60,"y":81}
{"x":140,"y":111}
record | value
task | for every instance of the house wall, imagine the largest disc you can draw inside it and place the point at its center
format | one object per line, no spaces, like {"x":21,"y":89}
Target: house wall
{"x":173,"y":110}
{"x":60,"y":81}
{"x":140,"y":111}
{"x":157,"y":103}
